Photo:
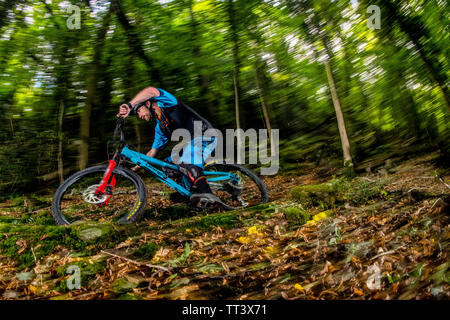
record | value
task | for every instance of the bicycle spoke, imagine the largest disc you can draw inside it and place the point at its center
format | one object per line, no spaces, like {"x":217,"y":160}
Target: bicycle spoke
{"x":241,"y":193}
{"x":80,"y":203}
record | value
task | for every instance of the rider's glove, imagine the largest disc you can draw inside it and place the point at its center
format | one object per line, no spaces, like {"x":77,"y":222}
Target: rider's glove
{"x":124,"y":110}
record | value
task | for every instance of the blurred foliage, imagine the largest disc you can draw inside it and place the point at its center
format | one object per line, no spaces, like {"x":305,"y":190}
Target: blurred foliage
{"x":392,"y":82}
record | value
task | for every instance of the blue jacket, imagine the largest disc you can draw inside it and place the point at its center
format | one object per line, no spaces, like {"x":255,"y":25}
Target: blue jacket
{"x":165,"y":100}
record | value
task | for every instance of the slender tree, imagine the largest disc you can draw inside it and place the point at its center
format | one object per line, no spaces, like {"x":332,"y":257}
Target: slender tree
{"x":91,"y":97}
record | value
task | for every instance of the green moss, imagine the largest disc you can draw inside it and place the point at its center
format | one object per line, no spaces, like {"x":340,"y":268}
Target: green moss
{"x":146,"y":251}
{"x":43,"y":218}
{"x":312,"y":195}
{"x":88,"y":269}
{"x":223,"y":220}
{"x":441,"y":274}
{"x":357,"y":191}
{"x":128,"y":296}
{"x":297,"y":215}
{"x":44,"y":239}
{"x":16,"y":200}
{"x":122,"y":285}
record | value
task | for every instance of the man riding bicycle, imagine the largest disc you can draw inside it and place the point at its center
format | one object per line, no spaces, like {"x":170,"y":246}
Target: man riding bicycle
{"x":170,"y":114}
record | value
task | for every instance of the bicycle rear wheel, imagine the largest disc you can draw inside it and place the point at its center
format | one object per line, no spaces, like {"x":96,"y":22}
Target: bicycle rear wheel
{"x":75,"y":200}
{"x":244,"y":191}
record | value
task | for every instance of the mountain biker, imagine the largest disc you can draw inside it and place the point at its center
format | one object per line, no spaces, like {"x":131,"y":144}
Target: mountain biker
{"x":170,"y":114}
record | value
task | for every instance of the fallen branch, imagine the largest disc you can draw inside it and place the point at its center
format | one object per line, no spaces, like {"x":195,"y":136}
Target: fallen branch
{"x":387,"y":252}
{"x":445,"y":184}
{"x":136,"y":262}
{"x":440,"y":201}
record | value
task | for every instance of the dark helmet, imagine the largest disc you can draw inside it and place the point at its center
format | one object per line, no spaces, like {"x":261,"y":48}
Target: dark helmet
{"x":147,"y":104}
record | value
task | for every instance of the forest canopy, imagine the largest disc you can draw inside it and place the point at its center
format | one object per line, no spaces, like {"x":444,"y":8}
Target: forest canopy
{"x":309,"y":68}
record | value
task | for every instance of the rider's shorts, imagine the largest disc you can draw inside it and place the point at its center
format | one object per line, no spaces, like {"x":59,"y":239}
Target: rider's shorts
{"x":197,"y":151}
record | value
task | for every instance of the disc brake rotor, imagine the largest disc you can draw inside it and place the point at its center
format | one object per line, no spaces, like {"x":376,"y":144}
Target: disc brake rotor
{"x":90,"y":197}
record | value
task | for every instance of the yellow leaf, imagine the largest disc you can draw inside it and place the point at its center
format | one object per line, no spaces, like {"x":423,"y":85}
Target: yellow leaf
{"x":331,"y":268}
{"x":270,"y":250}
{"x":322,"y":215}
{"x":33,"y":289}
{"x":188,"y":230}
{"x":254,"y":230}
{"x":299,"y":287}
{"x":244,"y":240}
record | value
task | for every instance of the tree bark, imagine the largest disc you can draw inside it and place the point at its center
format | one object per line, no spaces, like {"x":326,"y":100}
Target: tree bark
{"x":4,"y":7}
{"x":135,"y":42}
{"x":92,"y":82}
{"x":238,"y":123}
{"x":203,"y":79}
{"x":340,"y":117}
{"x":236,"y":72}
{"x":415,"y":29}
{"x":262,"y":99}
{"x":60,"y":142}
{"x":348,"y":162}
{"x":236,"y":59}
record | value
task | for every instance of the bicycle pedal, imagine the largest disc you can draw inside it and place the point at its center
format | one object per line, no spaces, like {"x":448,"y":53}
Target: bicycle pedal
{"x":203,"y":203}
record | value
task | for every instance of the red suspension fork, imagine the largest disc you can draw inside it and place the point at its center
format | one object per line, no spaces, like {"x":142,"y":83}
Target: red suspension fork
{"x":106,"y":179}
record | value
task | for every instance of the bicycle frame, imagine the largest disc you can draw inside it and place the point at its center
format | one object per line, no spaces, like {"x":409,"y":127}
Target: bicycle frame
{"x":148,"y":164}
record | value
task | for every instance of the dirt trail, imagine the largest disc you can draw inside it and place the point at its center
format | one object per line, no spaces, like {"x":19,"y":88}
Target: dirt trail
{"x":380,"y":236}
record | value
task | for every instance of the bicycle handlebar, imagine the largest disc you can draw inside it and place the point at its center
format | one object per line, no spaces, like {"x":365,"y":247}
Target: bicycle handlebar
{"x":119,"y":127}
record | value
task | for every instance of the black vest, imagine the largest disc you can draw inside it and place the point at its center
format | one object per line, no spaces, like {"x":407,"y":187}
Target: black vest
{"x":180,"y":116}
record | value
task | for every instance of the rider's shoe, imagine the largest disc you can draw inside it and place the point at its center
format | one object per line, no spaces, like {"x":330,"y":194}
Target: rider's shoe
{"x":202,"y":194}
{"x":204,"y":200}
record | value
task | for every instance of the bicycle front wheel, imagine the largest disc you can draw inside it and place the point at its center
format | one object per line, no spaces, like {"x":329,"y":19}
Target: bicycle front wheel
{"x":75,"y":200}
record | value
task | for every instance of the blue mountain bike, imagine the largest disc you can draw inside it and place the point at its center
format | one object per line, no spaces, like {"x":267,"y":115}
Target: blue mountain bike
{"x":114,"y":192}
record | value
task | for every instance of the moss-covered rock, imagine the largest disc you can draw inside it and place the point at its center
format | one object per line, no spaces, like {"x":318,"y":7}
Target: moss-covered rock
{"x":339,"y":190}
{"x":296,"y":215}
{"x":322,"y":194}
{"x":90,"y":232}
{"x":146,"y":251}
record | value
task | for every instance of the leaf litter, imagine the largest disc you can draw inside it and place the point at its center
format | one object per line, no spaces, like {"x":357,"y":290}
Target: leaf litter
{"x":392,"y":245}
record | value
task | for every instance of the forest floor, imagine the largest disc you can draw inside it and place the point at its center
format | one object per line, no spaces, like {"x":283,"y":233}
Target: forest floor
{"x":381,"y":235}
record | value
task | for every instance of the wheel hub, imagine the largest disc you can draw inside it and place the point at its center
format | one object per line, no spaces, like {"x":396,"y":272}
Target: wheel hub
{"x":90,"y":197}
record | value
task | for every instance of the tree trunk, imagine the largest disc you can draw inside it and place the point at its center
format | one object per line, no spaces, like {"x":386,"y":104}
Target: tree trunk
{"x":203,"y":80}
{"x":236,"y":72}
{"x":236,"y":58}
{"x":415,"y":29}
{"x":340,"y":117}
{"x":238,"y":121}
{"x":60,"y":142}
{"x":7,"y":5}
{"x":348,"y":162}
{"x":265,"y":112}
{"x":135,"y":42}
{"x":92,"y":81}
